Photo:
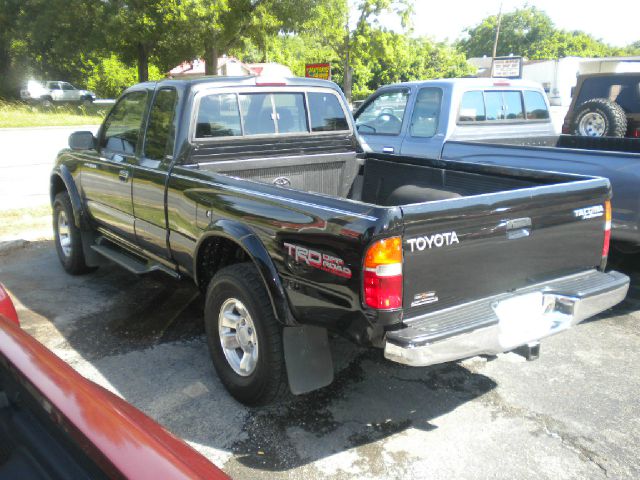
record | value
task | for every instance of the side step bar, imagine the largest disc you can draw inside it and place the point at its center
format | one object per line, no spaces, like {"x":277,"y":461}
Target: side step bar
{"x":129,"y":262}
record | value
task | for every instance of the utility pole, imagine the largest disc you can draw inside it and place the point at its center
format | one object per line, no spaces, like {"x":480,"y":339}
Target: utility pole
{"x":495,"y":43}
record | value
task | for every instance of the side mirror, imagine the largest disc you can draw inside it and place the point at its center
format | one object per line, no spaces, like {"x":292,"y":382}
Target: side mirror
{"x":82,"y":141}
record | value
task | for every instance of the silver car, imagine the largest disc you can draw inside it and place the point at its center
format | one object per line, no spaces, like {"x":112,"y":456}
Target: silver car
{"x":51,"y":92}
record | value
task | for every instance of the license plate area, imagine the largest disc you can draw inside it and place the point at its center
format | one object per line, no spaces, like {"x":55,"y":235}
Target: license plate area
{"x":529,"y":317}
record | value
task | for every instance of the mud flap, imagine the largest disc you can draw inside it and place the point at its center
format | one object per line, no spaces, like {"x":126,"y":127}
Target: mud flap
{"x":308,"y":358}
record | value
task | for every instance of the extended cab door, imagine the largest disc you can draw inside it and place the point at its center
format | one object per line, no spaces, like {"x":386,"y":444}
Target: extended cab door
{"x":427,"y":124}
{"x":106,"y":178}
{"x":150,"y":173}
{"x":380,"y":121}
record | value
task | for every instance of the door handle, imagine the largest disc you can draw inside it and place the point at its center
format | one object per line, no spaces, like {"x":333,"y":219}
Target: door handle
{"x":517,"y":227}
{"x":387,"y":150}
{"x":123,"y":175}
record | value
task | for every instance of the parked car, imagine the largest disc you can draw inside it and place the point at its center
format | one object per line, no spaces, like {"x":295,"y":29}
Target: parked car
{"x":49,"y":92}
{"x":256,"y":190}
{"x":501,"y":122}
{"x":57,"y":425}
{"x":605,"y":105}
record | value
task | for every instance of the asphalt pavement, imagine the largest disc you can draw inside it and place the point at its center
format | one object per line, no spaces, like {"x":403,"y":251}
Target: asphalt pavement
{"x":572,"y":414}
{"x":26,"y":158}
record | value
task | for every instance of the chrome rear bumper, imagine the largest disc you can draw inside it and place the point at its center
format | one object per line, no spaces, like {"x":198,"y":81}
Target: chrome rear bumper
{"x":503,"y":322}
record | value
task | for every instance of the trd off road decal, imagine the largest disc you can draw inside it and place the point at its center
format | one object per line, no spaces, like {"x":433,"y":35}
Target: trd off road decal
{"x":319,"y":260}
{"x":589,"y":212}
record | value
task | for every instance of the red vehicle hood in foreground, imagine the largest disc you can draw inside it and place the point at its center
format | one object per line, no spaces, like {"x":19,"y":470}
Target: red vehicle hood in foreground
{"x":120,"y":439}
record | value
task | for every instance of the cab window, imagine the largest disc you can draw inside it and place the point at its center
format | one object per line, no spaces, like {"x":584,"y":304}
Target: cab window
{"x":218,"y":116}
{"x":122,"y":127}
{"x":384,"y":115}
{"x":472,"y":107}
{"x":426,"y":112}
{"x":161,"y":130}
{"x":326,"y":113}
{"x":535,"y":105}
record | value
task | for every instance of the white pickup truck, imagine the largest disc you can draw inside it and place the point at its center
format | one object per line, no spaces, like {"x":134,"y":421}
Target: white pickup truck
{"x":418,"y":118}
{"x":51,"y":92}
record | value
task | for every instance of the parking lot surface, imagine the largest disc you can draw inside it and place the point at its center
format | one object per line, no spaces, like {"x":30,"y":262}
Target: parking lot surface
{"x":572,"y":414}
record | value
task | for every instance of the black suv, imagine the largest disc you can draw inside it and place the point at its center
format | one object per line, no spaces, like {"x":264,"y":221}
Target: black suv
{"x":605,"y":104}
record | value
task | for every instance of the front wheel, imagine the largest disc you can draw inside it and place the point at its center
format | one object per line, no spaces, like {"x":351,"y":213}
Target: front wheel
{"x":244,"y":337}
{"x":67,"y":236}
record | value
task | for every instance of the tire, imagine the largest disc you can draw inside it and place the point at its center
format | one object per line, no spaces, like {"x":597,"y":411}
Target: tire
{"x":599,"y":117}
{"x":67,"y":237}
{"x":46,"y":102}
{"x":87,"y":101}
{"x":237,"y":293}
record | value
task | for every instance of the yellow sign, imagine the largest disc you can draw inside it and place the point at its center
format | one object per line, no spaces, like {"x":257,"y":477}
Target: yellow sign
{"x":318,"y":70}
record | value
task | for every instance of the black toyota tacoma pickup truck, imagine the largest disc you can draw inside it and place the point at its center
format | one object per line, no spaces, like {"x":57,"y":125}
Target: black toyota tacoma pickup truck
{"x":256,"y":189}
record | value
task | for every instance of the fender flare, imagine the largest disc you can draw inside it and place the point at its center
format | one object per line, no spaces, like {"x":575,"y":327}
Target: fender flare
{"x":246,"y":239}
{"x":79,"y":216}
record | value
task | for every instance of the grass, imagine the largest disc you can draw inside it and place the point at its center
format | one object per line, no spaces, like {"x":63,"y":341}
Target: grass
{"x":20,"y":114}
{"x":26,"y":222}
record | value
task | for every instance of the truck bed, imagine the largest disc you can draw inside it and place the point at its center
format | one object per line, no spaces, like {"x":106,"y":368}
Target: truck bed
{"x":614,"y":158}
{"x":507,"y":221}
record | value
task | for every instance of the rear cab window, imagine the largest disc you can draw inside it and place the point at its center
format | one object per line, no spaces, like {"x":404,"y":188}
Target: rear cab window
{"x":252,"y":113}
{"x":486,"y":106}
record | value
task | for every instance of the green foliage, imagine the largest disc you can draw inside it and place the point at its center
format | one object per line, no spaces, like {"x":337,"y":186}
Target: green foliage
{"x":530,"y":33}
{"x":109,"y":76}
{"x":19,"y":114}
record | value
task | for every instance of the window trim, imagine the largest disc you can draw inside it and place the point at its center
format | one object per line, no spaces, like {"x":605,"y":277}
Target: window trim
{"x":363,"y":107}
{"x":247,"y":90}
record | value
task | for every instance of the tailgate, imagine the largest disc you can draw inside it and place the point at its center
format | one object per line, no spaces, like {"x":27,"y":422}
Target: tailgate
{"x":464,"y":249}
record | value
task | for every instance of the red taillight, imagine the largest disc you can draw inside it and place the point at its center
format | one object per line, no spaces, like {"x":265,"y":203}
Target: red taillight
{"x":636,"y":133}
{"x":6,"y":306}
{"x":383,"y":274}
{"x":607,"y":229}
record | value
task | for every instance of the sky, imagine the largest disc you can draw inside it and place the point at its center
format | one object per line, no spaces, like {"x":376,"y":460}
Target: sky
{"x":614,"y":21}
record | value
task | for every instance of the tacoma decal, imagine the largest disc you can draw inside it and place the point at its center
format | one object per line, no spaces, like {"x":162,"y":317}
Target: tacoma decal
{"x":589,"y":212}
{"x":436,"y":240}
{"x":424,"y":298}
{"x":319,"y":260}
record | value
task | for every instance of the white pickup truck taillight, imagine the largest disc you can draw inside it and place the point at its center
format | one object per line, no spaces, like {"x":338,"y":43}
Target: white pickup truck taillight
{"x":383,"y":274}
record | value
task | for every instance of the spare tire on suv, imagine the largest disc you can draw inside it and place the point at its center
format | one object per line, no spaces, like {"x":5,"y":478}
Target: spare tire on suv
{"x":599,"y":117}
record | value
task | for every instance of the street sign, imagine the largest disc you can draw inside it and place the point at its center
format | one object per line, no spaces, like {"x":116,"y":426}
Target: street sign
{"x":506,"y":67}
{"x":318,"y":70}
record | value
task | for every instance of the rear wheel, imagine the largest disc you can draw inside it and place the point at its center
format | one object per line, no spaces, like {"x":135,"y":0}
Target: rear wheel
{"x":67,"y":236}
{"x":87,"y":101}
{"x":599,"y":117}
{"x":244,"y":337}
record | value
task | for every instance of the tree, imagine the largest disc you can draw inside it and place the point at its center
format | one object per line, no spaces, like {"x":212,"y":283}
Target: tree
{"x":530,"y":33}
{"x":221,"y":26}
{"x":144,"y":30}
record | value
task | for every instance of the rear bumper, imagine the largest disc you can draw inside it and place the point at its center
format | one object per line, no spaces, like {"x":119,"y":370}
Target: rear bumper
{"x":503,"y":322}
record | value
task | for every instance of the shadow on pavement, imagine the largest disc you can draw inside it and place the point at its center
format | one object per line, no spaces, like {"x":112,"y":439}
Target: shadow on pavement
{"x":144,"y":336}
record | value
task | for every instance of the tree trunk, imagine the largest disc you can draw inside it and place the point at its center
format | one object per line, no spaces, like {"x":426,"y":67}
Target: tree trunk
{"x":143,"y":63}
{"x":347,"y":83}
{"x":210,"y":59}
